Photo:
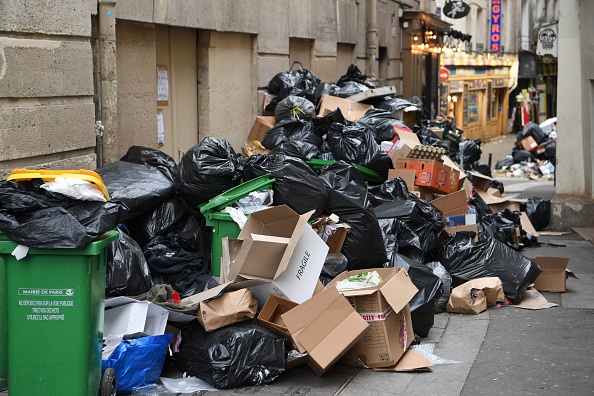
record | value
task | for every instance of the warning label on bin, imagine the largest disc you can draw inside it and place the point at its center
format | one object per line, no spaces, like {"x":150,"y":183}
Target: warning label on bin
{"x":44,"y":308}
{"x":46,"y":292}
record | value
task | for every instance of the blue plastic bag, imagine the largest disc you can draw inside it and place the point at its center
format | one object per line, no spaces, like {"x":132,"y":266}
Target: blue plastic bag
{"x":138,"y":362}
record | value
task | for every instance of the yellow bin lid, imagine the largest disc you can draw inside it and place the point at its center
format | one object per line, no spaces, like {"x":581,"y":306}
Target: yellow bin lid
{"x":51,"y":174}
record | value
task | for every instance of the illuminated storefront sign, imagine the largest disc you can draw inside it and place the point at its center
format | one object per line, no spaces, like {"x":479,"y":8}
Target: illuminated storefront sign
{"x":495,"y":26}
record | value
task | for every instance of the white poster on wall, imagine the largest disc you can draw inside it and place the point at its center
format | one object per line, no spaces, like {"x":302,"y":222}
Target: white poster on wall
{"x":547,"y":43}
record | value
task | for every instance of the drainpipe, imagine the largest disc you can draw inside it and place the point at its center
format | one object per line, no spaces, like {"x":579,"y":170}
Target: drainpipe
{"x":372,"y":41}
{"x":108,"y":82}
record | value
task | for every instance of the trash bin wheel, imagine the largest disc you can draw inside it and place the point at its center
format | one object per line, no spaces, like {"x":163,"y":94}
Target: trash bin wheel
{"x":108,"y":383}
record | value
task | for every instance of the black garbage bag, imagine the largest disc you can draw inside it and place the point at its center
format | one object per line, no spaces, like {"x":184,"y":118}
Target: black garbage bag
{"x":520,"y":155}
{"x":300,"y":82}
{"x":481,"y":168}
{"x":399,"y":238}
{"x":153,"y":157}
{"x":37,"y":218}
{"x":550,"y":152}
{"x":446,"y":281}
{"x":176,"y":221}
{"x":242,"y":354}
{"x":356,"y":143}
{"x":298,"y":149}
{"x":139,"y":186}
{"x":350,"y":88}
{"x":390,"y":190}
{"x":208,"y":169}
{"x":322,"y":124}
{"x":296,"y":185}
{"x":334,"y":265}
{"x":478,"y":205}
{"x":294,"y":107}
{"x":381,"y":123}
{"x":393,"y":105}
{"x":422,"y":305}
{"x":421,"y":217}
{"x":324,"y":89}
{"x":498,"y":185}
{"x":176,"y":267}
{"x":538,"y":211}
{"x":501,"y":226}
{"x":468,"y":153}
{"x":466,"y":260}
{"x":505,"y":162}
{"x":325,"y":153}
{"x":534,"y":130}
{"x":354,"y":74}
{"x":422,"y":113}
{"x":289,"y":130}
{"x":348,"y":198}
{"x":427,"y":137}
{"x":127,"y":271}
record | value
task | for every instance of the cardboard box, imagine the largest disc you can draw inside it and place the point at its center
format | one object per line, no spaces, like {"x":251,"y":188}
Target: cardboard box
{"x":500,"y":203}
{"x":326,"y":327}
{"x":431,"y":174}
{"x":554,"y":274}
{"x":336,"y":234}
{"x":262,"y":124}
{"x":385,"y":308}
{"x":277,"y":252}
{"x":480,"y":181}
{"x":270,"y":315}
{"x":125,"y":315}
{"x":460,"y":220}
{"x":452,"y":204}
{"x":409,"y":178}
{"x":528,"y":143}
{"x":351,"y":110}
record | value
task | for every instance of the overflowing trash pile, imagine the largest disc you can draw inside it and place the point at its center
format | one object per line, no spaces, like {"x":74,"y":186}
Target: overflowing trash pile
{"x":234,"y":262}
{"x":534,"y":154}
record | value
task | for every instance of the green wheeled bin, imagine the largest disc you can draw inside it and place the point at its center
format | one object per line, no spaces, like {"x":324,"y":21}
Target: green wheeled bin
{"x":221,"y":223}
{"x":3,"y":328}
{"x":55,"y":300}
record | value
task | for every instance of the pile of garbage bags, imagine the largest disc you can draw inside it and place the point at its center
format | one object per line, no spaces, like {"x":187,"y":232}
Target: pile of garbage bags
{"x":164,"y":238}
{"x":534,"y":153}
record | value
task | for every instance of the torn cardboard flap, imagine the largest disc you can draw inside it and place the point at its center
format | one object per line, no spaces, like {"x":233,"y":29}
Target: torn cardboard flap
{"x":412,"y":360}
{"x":452,"y":204}
{"x":480,"y":181}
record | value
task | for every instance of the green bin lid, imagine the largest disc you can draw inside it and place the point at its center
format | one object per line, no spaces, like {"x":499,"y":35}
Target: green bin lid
{"x":368,"y":174}
{"x":234,"y":194}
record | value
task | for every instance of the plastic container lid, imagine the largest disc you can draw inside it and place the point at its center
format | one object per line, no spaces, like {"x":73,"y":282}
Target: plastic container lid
{"x":51,"y":174}
{"x":226,"y":198}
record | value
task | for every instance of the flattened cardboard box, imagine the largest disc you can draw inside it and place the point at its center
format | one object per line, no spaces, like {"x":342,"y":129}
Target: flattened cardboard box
{"x":326,"y":327}
{"x":276,"y":252}
{"x":553,"y":275}
{"x":385,"y":308}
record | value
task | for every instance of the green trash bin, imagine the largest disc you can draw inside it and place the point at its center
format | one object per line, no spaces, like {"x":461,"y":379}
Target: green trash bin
{"x":55,"y":300}
{"x":221,"y":223}
{"x":3,"y":328}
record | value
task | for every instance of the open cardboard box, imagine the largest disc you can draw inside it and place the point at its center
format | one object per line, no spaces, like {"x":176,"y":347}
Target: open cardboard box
{"x":326,"y":327}
{"x":553,"y":275}
{"x":385,"y":308}
{"x":409,"y":178}
{"x":452,"y":204}
{"x":270,"y":316}
{"x":351,"y":110}
{"x":127,"y":316}
{"x":277,"y":252}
